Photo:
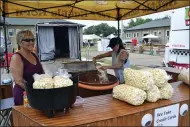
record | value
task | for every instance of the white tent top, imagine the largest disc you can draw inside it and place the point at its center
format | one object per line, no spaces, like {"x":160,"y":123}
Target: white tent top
{"x":91,"y":37}
{"x":110,"y":36}
{"x":151,"y":36}
{"x":94,"y":36}
{"x":87,"y":37}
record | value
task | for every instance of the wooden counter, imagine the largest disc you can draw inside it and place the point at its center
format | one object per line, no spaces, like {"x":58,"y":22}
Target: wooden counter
{"x":103,"y":111}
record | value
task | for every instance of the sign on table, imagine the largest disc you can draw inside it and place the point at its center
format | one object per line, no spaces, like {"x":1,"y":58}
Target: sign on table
{"x":166,"y":116}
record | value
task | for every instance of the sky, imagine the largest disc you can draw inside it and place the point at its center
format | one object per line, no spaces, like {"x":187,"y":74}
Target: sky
{"x":125,"y":22}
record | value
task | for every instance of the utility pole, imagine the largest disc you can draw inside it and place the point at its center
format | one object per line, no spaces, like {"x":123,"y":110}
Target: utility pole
{"x":122,"y":28}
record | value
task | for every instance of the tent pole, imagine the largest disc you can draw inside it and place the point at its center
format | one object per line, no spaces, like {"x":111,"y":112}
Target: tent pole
{"x":118,"y":19}
{"x":118,"y":28}
{"x":79,"y":39}
{"x":37,"y":47}
{"x":5,"y":35}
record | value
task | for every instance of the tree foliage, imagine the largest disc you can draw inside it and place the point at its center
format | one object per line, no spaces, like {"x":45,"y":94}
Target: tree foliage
{"x":102,"y":28}
{"x":138,"y":21}
{"x":165,"y":17}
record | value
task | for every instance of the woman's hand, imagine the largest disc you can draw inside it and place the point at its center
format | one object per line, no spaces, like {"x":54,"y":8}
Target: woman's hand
{"x":103,"y":67}
{"x":94,"y":60}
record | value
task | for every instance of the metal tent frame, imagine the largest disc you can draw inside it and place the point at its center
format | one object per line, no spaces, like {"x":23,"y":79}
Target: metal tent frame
{"x":88,"y":12}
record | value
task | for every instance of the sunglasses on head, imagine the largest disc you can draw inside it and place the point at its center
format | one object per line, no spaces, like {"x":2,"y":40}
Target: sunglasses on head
{"x":28,"y":39}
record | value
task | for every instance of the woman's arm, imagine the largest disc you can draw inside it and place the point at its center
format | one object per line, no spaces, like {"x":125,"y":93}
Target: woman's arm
{"x":107,"y":54}
{"x":122,"y":57}
{"x":16,"y":67}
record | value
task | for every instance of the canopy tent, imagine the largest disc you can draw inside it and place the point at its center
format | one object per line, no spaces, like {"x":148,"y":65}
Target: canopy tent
{"x":150,"y":36}
{"x":94,"y":36}
{"x":88,"y":10}
{"x":110,"y":36}
{"x":85,"y":10}
{"x":87,"y":37}
{"x":91,"y":37}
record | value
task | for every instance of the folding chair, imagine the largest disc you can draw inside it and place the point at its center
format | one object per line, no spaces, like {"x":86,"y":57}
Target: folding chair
{"x":6,"y":104}
{"x":6,"y":111}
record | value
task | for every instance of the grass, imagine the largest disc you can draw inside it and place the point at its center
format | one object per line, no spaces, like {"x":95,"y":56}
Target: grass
{"x":84,"y":50}
{"x":104,"y":61}
{"x":92,"y":48}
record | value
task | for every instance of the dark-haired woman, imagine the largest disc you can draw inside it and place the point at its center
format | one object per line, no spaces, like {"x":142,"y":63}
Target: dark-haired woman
{"x":119,"y":58}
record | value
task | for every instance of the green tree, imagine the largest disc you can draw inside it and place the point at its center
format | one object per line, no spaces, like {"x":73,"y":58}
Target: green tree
{"x":138,"y":21}
{"x":165,"y":17}
{"x":102,"y":28}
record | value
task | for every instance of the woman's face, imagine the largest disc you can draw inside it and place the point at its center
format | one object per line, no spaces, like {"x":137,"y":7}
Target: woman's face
{"x":115,"y":48}
{"x":27,"y":43}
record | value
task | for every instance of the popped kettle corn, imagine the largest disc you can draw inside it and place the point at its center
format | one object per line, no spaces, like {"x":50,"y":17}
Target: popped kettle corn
{"x":153,"y":94}
{"x":159,"y":75}
{"x":60,"y":81}
{"x":43,"y":83}
{"x":166,"y":92}
{"x":138,"y":78}
{"x":129,"y":94}
{"x":46,"y":82}
{"x":184,"y":76}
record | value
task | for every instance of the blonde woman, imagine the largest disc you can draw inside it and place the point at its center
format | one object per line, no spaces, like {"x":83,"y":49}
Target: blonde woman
{"x":24,"y":64}
{"x":34,"y":49}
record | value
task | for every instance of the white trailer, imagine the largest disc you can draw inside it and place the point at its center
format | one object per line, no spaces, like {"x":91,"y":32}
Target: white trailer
{"x":177,"y":49}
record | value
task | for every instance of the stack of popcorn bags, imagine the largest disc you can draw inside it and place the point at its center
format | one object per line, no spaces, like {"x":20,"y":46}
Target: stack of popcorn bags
{"x":140,"y":85}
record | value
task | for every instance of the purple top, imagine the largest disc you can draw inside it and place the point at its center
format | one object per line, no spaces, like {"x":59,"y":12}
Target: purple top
{"x":28,"y":71}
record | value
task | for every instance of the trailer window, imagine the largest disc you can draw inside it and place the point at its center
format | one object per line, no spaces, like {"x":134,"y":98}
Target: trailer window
{"x":134,"y":34}
{"x":167,"y":33}
{"x":11,"y":32}
{"x":137,"y":34}
{"x":155,"y":33}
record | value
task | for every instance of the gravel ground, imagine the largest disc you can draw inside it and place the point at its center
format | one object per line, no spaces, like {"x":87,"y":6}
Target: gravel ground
{"x":135,"y":59}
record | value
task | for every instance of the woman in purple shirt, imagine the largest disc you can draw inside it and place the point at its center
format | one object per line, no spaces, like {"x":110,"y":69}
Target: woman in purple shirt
{"x":24,"y":64}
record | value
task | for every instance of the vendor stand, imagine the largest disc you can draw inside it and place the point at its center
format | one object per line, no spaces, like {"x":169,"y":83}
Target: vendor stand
{"x":100,"y":110}
{"x":105,"y":111}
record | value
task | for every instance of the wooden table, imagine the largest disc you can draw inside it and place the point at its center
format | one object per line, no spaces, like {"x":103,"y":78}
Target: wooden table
{"x":103,"y":111}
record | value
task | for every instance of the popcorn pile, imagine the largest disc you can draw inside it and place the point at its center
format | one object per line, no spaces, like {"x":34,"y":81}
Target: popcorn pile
{"x":150,"y":85}
{"x":47,"y":82}
{"x":184,"y":76}
{"x":130,"y":94}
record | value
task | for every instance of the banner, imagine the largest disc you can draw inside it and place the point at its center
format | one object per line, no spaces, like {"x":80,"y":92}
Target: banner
{"x":88,"y":10}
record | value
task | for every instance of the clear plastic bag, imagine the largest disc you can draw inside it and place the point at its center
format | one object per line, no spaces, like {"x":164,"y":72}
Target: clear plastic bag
{"x":103,"y":77}
{"x":43,"y":81}
{"x":62,"y":78}
{"x":184,"y":76}
{"x":38,"y":77}
{"x":63,"y":73}
{"x":79,"y":101}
